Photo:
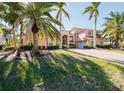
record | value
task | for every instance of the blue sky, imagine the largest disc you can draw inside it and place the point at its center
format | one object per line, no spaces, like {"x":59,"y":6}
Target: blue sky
{"x":75,"y":10}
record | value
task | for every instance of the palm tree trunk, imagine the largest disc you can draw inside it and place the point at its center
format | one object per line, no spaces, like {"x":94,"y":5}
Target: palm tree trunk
{"x":20,"y":43}
{"x":35,"y":42}
{"x":60,"y":46}
{"x":46,"y":35}
{"x":14,"y":37}
{"x":117,"y":43}
{"x":110,"y":42}
{"x":121,"y":43}
{"x":94,"y":33}
{"x":35,"y":37}
{"x":60,"y":20}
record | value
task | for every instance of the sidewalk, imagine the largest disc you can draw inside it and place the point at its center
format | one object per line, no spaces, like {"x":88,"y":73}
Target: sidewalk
{"x":115,"y":57}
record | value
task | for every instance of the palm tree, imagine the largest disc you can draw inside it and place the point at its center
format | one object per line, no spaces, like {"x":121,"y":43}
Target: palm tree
{"x":11,"y":12}
{"x":93,"y":12}
{"x":60,"y":6}
{"x":41,"y":20}
{"x":114,"y":27}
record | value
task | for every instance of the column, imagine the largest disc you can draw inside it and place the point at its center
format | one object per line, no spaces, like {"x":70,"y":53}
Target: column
{"x":68,"y":41}
{"x":61,"y":42}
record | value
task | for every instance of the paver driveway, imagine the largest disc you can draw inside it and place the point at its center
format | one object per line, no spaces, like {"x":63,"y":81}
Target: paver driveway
{"x":115,"y":57}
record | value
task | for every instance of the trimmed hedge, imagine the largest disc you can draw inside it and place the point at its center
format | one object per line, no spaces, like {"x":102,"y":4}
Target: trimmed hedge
{"x":26,"y":47}
{"x":53,"y":47}
{"x":105,"y":46}
{"x":88,"y":47}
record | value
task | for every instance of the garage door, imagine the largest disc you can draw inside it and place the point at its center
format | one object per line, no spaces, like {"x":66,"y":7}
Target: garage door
{"x":81,"y":44}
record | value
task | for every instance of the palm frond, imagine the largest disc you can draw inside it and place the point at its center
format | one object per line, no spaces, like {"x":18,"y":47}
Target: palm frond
{"x":95,"y":4}
{"x":66,"y":14}
{"x":87,"y":9}
{"x":58,"y":13}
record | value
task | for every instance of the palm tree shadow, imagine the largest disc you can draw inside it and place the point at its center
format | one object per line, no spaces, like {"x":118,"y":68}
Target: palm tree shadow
{"x":9,"y":79}
{"x":54,"y":72}
{"x":72,"y":74}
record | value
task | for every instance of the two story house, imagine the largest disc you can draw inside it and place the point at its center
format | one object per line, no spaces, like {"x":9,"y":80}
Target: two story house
{"x":79,"y":38}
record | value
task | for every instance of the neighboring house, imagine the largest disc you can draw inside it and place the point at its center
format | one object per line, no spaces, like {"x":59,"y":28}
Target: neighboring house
{"x":2,"y":40}
{"x":74,"y":38}
{"x":79,"y":38}
{"x":7,"y":35}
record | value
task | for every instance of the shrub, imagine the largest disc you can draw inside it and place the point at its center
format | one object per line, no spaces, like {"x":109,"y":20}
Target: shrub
{"x":53,"y":47}
{"x":43,"y":47}
{"x":107,"y":46}
{"x":40,"y":47}
{"x":64,"y":46}
{"x":99,"y":46}
{"x":26,"y":47}
{"x":8,"y":48}
{"x":1,"y":47}
{"x":72,"y":45}
{"x":88,"y":47}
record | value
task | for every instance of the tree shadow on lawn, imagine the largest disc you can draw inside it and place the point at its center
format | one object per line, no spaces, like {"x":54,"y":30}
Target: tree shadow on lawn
{"x":54,"y":72}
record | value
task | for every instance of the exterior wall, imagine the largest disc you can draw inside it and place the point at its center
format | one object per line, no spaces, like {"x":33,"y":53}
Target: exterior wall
{"x":42,"y":42}
{"x":99,"y":41}
{"x":24,"y":40}
{"x":81,"y":36}
{"x":52,"y":42}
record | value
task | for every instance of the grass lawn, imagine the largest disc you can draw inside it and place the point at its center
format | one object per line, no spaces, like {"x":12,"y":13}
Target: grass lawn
{"x":113,"y":50}
{"x":61,"y":70}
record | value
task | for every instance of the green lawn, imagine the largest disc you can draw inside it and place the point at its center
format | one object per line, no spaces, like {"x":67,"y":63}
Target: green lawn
{"x":113,"y":50}
{"x":61,"y":70}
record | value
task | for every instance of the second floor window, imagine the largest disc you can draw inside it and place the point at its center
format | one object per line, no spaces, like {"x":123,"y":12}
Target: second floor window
{"x":71,"y":38}
{"x":77,"y":35}
{"x":89,"y":33}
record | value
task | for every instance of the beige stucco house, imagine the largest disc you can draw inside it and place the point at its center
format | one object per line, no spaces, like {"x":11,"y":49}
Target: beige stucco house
{"x":74,"y":38}
{"x":78,"y":38}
